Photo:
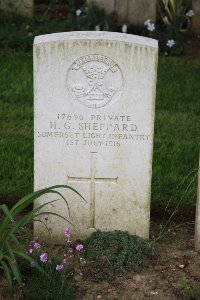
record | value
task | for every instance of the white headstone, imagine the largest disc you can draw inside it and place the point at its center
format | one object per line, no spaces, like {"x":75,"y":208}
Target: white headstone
{"x":94,"y":124}
{"x":197,"y":220}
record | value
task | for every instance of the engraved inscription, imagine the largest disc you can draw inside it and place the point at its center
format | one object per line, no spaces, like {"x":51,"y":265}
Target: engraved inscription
{"x":93,"y":180}
{"x":94,"y":80}
{"x":95,"y":130}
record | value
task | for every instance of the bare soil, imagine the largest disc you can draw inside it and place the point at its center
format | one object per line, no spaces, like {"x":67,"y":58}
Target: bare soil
{"x":174,"y":274}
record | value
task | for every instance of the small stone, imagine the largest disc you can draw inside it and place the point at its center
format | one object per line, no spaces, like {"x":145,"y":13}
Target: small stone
{"x":99,"y":297}
{"x":153,"y":293}
{"x":181,"y":266}
{"x":138,"y":278}
{"x":82,"y":261}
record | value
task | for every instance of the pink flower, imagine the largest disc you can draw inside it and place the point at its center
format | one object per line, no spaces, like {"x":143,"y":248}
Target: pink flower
{"x":79,"y":247}
{"x":66,"y":261}
{"x":68,"y":232}
{"x":30,"y":251}
{"x":44,"y":257}
{"x":59,"y":267}
{"x":36,"y":246}
{"x":70,"y":250}
{"x":68,"y":241}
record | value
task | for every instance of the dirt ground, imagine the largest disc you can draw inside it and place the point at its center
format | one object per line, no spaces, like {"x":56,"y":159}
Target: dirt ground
{"x":174,"y":274}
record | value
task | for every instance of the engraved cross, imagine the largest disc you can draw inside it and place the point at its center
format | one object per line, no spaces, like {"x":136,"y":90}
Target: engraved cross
{"x":93,"y":180}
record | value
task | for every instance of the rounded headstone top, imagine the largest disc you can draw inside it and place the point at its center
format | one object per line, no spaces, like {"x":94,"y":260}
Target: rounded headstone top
{"x":96,"y":35}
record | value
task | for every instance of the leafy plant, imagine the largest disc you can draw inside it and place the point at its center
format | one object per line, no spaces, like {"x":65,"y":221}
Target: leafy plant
{"x":188,"y":292}
{"x":115,"y":252}
{"x":11,"y":225}
{"x":176,"y":17}
{"x":94,"y":18}
{"x":174,"y":13}
{"x":55,"y":285}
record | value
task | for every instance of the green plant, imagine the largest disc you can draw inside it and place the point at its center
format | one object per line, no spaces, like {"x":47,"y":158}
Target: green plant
{"x":176,"y":17}
{"x":55,"y":285}
{"x":174,"y":13}
{"x":94,"y":18}
{"x":58,"y":268}
{"x":188,"y":292}
{"x":12,"y":224}
{"x":165,"y":226}
{"x":115,"y":252}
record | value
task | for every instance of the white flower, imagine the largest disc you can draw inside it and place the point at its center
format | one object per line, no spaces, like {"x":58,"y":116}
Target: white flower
{"x":166,"y":21}
{"x":147,"y":22}
{"x":151,"y":27}
{"x":190,"y":13}
{"x":170,"y":43}
{"x":78,"y":12}
{"x":124,"y":28}
{"x":97,"y":28}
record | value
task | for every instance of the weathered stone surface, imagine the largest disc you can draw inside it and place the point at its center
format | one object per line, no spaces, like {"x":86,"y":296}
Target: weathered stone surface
{"x":105,"y":4}
{"x":129,"y":11}
{"x":21,"y":7}
{"x":196,"y":17}
{"x":94,"y":123}
{"x":197,"y":220}
{"x":121,"y":7}
{"x":140,"y":11}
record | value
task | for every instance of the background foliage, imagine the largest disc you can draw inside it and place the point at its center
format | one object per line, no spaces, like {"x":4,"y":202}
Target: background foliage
{"x":18,"y":32}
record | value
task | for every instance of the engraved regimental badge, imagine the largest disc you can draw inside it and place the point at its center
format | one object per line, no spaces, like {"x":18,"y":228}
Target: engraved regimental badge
{"x":94,"y":80}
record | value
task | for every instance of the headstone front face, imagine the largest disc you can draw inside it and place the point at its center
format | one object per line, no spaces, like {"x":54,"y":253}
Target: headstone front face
{"x":94,"y":123}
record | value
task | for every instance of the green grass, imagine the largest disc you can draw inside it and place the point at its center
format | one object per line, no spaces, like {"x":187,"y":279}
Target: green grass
{"x":16,"y":124}
{"x":177,"y":128}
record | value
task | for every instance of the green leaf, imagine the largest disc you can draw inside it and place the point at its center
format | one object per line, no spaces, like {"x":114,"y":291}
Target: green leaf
{"x":25,"y":201}
{"x":13,"y":264}
{"x":7,"y":219}
{"x":27,"y":257}
{"x":8,"y":277}
{"x":54,"y":214}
